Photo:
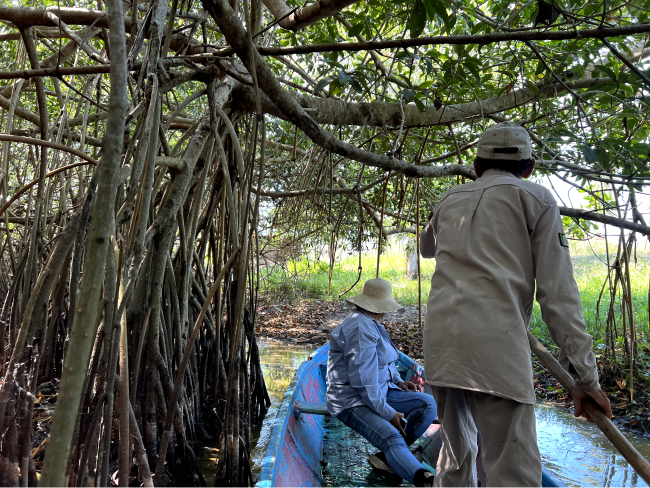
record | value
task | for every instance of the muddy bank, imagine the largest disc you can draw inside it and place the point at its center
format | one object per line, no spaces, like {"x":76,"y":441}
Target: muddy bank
{"x":310,"y":322}
{"x":304,"y":322}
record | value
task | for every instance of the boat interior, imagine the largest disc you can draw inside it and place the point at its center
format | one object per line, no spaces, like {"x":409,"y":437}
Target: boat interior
{"x":310,"y":448}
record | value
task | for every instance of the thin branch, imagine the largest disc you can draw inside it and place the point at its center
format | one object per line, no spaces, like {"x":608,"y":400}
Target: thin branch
{"x":53,"y":145}
{"x":627,"y":62}
{"x":593,"y":215}
{"x":482,"y":40}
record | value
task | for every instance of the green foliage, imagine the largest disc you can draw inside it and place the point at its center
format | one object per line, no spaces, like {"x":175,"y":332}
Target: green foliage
{"x":577,"y":229}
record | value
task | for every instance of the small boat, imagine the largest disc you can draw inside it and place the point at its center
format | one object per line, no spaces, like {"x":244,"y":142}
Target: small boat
{"x":298,"y":453}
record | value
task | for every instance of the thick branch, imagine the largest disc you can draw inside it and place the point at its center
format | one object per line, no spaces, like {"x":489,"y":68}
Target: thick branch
{"x":90,"y":50}
{"x":102,"y":225}
{"x":41,"y":33}
{"x":302,"y":17}
{"x":235,"y":34}
{"x":338,"y":112}
{"x":312,"y":191}
{"x":53,"y":145}
{"x":27,"y":16}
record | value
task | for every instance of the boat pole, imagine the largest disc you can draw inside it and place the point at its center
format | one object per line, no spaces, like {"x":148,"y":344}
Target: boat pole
{"x":627,"y":450}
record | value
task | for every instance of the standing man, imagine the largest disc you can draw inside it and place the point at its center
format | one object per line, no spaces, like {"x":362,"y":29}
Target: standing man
{"x":494,"y":240}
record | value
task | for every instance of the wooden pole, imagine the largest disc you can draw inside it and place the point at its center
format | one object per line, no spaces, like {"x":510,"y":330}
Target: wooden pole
{"x":381,"y":222}
{"x":627,"y":450}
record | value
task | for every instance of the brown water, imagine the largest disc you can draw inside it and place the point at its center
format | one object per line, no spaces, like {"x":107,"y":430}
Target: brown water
{"x":279,"y":364}
{"x":575,"y":451}
{"x":579,"y":454}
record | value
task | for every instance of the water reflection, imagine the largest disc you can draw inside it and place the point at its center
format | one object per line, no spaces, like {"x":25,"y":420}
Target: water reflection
{"x":579,"y":454}
{"x":279,"y":364}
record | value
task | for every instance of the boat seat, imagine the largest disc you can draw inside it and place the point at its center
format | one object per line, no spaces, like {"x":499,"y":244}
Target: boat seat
{"x":300,"y":407}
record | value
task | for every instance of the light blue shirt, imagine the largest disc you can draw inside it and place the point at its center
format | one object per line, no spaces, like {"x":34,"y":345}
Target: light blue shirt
{"x":361,"y":366}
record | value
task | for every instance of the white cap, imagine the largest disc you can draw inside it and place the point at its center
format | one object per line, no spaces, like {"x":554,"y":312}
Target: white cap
{"x":505,"y":141}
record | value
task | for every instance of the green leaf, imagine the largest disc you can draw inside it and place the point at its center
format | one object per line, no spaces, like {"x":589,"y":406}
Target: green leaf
{"x":324,"y":82}
{"x":356,"y":30}
{"x":532,"y":87}
{"x":642,"y":149}
{"x":408,"y":94}
{"x":343,"y":77}
{"x":441,"y":10}
{"x":590,"y":154}
{"x":418,"y":19}
{"x":431,"y":11}
{"x":606,"y":71}
{"x":473,"y":66}
{"x":429,"y":66}
{"x":331,"y":31}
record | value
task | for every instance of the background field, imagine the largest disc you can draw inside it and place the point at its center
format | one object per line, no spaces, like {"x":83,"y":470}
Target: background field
{"x":307,"y":278}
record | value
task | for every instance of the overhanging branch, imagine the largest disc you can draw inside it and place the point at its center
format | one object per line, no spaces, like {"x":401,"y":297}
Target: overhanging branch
{"x":308,"y":15}
{"x":235,"y":34}
{"x":594,"y":216}
{"x":337,"y":112}
{"x":482,"y":39}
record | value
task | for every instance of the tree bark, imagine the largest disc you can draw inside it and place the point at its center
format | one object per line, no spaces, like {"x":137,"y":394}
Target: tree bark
{"x":98,"y":240}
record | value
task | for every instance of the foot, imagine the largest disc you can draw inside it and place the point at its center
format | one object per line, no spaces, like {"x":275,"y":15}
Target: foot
{"x":423,"y":478}
{"x":428,"y":480}
{"x":380,"y":465}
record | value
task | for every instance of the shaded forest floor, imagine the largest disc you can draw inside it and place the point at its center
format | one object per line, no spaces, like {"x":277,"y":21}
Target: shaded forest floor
{"x":309,"y":322}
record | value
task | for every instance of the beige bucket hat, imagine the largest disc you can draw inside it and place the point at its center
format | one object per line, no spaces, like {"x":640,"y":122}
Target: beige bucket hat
{"x":377,"y":297}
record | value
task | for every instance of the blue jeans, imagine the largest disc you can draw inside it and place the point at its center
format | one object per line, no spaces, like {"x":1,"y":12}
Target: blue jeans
{"x":420,"y":411}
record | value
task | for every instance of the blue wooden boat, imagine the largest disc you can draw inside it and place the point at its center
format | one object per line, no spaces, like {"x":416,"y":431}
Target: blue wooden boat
{"x":294,"y":455}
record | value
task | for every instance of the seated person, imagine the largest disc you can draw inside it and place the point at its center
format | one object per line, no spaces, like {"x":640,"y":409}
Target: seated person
{"x":365,"y":391}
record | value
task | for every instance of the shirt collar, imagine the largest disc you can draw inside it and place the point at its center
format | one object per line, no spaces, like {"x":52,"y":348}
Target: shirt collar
{"x":496,"y":173}
{"x":365,"y":312}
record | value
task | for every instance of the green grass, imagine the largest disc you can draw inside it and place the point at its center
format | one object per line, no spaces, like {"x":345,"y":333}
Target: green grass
{"x":310,"y":279}
{"x":393,"y":269}
{"x":590,"y":273}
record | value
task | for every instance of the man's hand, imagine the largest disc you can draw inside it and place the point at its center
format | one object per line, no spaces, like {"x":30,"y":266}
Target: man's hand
{"x":396,"y":422}
{"x":597,"y":396}
{"x":408,"y":386}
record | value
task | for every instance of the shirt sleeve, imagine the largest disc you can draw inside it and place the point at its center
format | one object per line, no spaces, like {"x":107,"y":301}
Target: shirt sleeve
{"x":361,"y":351}
{"x":396,"y":378}
{"x":428,"y":242}
{"x":559,"y":299}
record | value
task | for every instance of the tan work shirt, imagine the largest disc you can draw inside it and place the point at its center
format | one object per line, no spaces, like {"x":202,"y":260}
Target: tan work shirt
{"x":493,"y":239}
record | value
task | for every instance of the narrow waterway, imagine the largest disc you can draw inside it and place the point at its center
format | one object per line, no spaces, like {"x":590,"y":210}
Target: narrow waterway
{"x":279,"y":363}
{"x":579,"y":454}
{"x":575,"y":451}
